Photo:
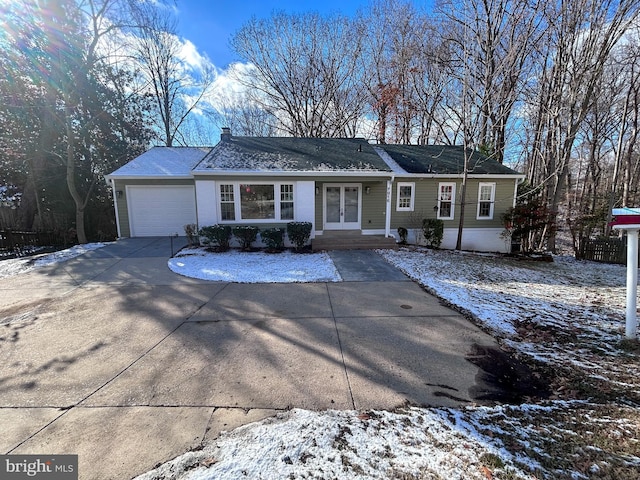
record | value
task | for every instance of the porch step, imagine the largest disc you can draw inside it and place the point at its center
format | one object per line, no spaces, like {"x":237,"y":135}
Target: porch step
{"x":351,"y":241}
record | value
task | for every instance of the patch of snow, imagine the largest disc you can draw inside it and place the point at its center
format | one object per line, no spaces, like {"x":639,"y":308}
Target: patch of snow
{"x":393,"y":165}
{"x":161,"y":161}
{"x":16,"y":266}
{"x":231,"y":156}
{"x":415,"y":443}
{"x":255,"y":267}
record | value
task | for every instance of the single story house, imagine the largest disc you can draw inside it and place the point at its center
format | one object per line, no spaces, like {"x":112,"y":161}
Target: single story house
{"x":336,"y":184}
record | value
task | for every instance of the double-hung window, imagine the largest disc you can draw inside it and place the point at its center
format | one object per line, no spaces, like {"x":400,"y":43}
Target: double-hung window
{"x":406,"y":195}
{"x":486,"y":200}
{"x":256,"y":201}
{"x":227,"y":203}
{"x":446,"y":197}
{"x":286,"y":201}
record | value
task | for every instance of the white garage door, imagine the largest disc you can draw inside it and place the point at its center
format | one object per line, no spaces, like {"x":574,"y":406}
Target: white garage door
{"x":158,"y":211}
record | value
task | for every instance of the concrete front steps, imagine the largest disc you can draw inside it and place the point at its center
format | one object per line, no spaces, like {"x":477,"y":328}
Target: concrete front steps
{"x":351,"y":240}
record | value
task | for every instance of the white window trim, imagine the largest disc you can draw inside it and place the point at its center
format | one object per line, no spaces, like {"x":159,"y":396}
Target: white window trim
{"x":453,"y":200}
{"x":492,"y":200}
{"x":413,"y":196}
{"x":237,"y":201}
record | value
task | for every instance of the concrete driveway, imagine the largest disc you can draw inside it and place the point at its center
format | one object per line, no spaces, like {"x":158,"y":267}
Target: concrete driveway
{"x":113,"y":357}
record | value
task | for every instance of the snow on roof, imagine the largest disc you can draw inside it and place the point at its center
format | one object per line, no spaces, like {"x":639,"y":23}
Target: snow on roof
{"x":163,"y":161}
{"x":289,"y":154}
{"x":390,"y":161}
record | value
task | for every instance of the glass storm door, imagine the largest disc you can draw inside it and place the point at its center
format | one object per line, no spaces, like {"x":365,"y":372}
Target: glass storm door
{"x":342,"y":206}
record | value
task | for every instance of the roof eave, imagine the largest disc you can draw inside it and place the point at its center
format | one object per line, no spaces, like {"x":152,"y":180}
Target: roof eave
{"x":460,"y":175}
{"x":281,"y":173}
{"x":111,"y":176}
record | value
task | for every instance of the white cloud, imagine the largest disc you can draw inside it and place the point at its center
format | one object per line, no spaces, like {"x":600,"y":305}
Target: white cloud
{"x":190,"y":55}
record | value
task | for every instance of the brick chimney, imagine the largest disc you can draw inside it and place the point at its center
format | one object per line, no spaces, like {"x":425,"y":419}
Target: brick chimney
{"x":225,"y":136}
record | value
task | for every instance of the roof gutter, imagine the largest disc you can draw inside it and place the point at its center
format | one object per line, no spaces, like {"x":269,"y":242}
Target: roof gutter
{"x":284,"y":173}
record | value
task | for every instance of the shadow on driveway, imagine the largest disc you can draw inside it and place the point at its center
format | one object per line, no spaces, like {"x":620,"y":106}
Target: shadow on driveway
{"x":123,"y":353}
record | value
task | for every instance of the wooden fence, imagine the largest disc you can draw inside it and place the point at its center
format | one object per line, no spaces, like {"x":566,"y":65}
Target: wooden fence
{"x":15,"y":242}
{"x":606,"y":250}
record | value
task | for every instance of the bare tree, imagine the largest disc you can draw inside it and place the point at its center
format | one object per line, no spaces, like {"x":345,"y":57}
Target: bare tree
{"x":500,"y":38}
{"x":306,"y":72}
{"x":244,"y":116}
{"x":177,"y":88}
{"x":395,"y":36}
{"x":582,"y":35}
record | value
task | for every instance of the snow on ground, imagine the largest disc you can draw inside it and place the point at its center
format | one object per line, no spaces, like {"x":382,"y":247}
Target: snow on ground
{"x":566,"y":313}
{"x":569,"y":315}
{"x":16,"y":266}
{"x":254,"y":267}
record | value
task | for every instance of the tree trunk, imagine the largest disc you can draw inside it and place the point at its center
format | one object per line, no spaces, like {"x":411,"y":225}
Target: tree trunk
{"x":71,"y":179}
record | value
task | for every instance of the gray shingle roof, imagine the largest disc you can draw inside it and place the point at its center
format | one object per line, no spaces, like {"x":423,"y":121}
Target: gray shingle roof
{"x":288,"y":154}
{"x":443,"y":159}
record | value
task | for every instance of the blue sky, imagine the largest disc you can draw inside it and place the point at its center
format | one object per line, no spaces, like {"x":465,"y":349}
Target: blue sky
{"x":209,"y":24}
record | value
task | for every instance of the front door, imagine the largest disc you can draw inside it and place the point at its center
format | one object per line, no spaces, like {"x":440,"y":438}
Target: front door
{"x":342,"y":206}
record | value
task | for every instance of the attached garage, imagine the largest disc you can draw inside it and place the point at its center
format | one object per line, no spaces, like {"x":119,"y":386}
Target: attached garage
{"x":154,"y":194}
{"x":156,"y":211}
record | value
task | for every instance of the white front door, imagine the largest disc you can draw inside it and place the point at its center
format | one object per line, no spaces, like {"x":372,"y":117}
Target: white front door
{"x":342,"y":206}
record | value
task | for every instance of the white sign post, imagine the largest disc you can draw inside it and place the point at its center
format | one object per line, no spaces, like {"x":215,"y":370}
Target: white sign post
{"x":632,"y":218}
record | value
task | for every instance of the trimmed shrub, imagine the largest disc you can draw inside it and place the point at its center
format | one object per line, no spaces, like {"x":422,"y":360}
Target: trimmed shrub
{"x":217,"y":235}
{"x":246,"y":234}
{"x":191,"y":231}
{"x":273,"y":238}
{"x":403,"y":232}
{"x":299,"y":233}
{"x":433,"y":231}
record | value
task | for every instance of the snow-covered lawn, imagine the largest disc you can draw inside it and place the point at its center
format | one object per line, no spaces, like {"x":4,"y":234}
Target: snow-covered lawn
{"x":254,"y":267}
{"x":565,"y":316}
{"x":16,"y":266}
{"x":568,"y":313}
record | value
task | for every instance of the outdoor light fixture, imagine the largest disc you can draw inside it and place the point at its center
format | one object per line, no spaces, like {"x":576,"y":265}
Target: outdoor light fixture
{"x":119,"y":193}
{"x":367,"y":190}
{"x":317,"y":190}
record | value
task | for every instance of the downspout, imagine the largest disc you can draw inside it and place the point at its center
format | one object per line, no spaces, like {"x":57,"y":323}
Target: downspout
{"x":115,"y":205}
{"x":387,"y":222}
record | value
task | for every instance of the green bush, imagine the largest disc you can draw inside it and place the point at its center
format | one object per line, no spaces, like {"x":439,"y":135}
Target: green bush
{"x":403,"y":232}
{"x":246,"y":234}
{"x":433,"y":230}
{"x":299,"y":233}
{"x":218,"y":235}
{"x":273,"y":238}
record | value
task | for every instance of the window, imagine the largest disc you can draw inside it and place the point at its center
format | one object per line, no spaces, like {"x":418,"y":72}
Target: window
{"x":286,"y":202}
{"x":227,"y":204}
{"x":264,"y":201}
{"x":257,"y":202}
{"x":446,"y":196}
{"x":405,"y":197}
{"x":486,"y":198}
